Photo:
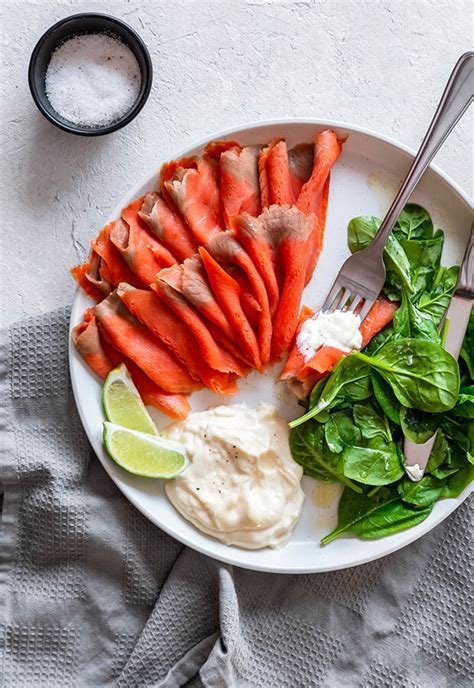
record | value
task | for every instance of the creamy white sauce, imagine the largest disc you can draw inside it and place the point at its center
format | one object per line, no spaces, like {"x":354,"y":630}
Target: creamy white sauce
{"x":414,"y":472}
{"x":339,"y":329}
{"x":242,"y":485}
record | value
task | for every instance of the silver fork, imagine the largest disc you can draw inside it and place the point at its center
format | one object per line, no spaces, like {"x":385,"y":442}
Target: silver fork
{"x":362,"y":276}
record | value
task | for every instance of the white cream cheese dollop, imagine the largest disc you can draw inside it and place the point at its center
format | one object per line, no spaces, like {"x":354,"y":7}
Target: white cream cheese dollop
{"x":339,"y":329}
{"x":242,"y":485}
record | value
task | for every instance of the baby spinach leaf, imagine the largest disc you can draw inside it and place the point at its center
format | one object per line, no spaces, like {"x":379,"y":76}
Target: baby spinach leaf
{"x":439,"y":453}
{"x":465,"y":404}
{"x":370,"y":423}
{"x":456,"y":431}
{"x":373,"y":517}
{"x":470,"y":435}
{"x":435,"y":300}
{"x":322,"y":416}
{"x":467,"y":350}
{"x":408,"y":321}
{"x":424,"y":256}
{"x":414,"y":222}
{"x":390,"y":518}
{"x":380,"y":339}
{"x":340,"y":431}
{"x":421,"y":374}
{"x":387,"y":400}
{"x":309,"y":449}
{"x":376,"y":464}
{"x":349,"y":381}
{"x":459,"y":481}
{"x":418,"y":426}
{"x":361,"y":231}
{"x":455,"y":460}
{"x":316,"y":392}
{"x":422,"y":493}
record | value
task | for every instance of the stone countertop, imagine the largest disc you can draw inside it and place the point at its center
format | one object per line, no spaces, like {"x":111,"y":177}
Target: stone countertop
{"x":218,"y":64}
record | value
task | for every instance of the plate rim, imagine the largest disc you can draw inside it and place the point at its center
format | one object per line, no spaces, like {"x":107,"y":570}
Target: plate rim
{"x":233,"y":559}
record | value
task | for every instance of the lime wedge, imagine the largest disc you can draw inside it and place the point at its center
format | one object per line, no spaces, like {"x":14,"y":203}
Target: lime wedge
{"x":123,"y":404}
{"x":143,"y":454}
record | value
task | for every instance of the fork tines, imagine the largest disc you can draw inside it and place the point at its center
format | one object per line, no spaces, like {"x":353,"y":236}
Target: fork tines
{"x":351,"y":298}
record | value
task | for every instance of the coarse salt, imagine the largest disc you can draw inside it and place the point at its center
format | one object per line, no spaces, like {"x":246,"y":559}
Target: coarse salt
{"x":92,"y":80}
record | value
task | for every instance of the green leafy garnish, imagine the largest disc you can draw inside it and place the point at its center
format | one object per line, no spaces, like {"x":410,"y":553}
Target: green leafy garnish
{"x":309,"y":448}
{"x":373,"y":517}
{"x":422,"y":374}
{"x":404,"y":385}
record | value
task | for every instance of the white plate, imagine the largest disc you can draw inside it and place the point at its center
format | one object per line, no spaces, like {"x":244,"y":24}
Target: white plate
{"x":363,"y":181}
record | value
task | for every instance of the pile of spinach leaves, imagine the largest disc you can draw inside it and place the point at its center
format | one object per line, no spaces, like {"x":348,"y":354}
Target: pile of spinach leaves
{"x":404,"y":384}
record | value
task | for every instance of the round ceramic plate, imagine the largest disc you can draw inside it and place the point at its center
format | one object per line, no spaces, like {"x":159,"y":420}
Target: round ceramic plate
{"x":364,"y":181}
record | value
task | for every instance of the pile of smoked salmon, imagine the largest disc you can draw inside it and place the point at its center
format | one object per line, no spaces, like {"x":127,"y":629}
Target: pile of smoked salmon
{"x":200,"y":281}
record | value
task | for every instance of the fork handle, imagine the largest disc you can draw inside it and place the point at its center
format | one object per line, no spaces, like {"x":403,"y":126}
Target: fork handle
{"x":456,"y":98}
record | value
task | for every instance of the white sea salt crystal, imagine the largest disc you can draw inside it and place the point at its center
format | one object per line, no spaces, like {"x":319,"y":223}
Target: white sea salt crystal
{"x":92,"y":80}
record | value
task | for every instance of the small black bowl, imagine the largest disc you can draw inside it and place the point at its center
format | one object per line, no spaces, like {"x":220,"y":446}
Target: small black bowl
{"x":75,"y":25}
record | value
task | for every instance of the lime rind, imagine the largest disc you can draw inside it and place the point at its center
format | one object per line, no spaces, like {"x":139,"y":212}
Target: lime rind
{"x":122,"y":402}
{"x":143,"y":454}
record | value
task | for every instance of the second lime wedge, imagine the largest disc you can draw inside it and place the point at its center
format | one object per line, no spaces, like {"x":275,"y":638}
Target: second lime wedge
{"x":144,"y":454}
{"x":123,"y":404}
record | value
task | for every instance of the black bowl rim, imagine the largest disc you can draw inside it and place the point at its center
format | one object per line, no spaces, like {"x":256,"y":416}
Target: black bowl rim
{"x":118,"y":124}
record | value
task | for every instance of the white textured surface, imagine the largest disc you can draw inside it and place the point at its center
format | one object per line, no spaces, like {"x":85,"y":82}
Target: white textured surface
{"x":217,"y":64}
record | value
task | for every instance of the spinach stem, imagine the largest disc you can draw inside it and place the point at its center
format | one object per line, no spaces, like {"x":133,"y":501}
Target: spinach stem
{"x":374,"y":490}
{"x":444,"y":331}
{"x":307,"y":416}
{"x":360,"y":516}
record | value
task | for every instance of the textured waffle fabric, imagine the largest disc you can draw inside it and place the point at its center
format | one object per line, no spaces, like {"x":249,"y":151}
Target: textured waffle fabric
{"x":92,"y":594}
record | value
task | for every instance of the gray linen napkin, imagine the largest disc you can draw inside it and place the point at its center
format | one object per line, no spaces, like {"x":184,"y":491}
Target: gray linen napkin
{"x":94,"y":595}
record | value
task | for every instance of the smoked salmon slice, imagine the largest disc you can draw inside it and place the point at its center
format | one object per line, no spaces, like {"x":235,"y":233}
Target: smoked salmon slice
{"x":232,"y":347}
{"x":174,"y":405}
{"x":377,"y":318}
{"x":195,"y":192}
{"x":142,"y":252}
{"x":214,"y":149}
{"x":167,"y":172}
{"x":190,"y":280}
{"x":164,"y":221}
{"x":248,"y":231}
{"x":227,"y":251}
{"x":197,"y":290}
{"x":295,"y":360}
{"x":318,"y":231}
{"x":286,"y":231}
{"x":95,"y":274}
{"x":327,"y":148}
{"x":313,"y":197}
{"x":87,"y":340}
{"x":152,"y":312}
{"x":300,"y":162}
{"x":113,"y":268}
{"x":239,"y":185}
{"x":263,"y":179}
{"x":279,"y":178}
{"x":249,"y":303}
{"x":88,"y":277}
{"x":227,"y":292}
{"x":137,"y":343}
{"x":101,"y":357}
{"x":215,"y":356}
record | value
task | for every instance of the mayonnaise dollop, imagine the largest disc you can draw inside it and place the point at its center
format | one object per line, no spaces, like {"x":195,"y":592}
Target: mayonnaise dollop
{"x":339,"y":329}
{"x":242,"y":485}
